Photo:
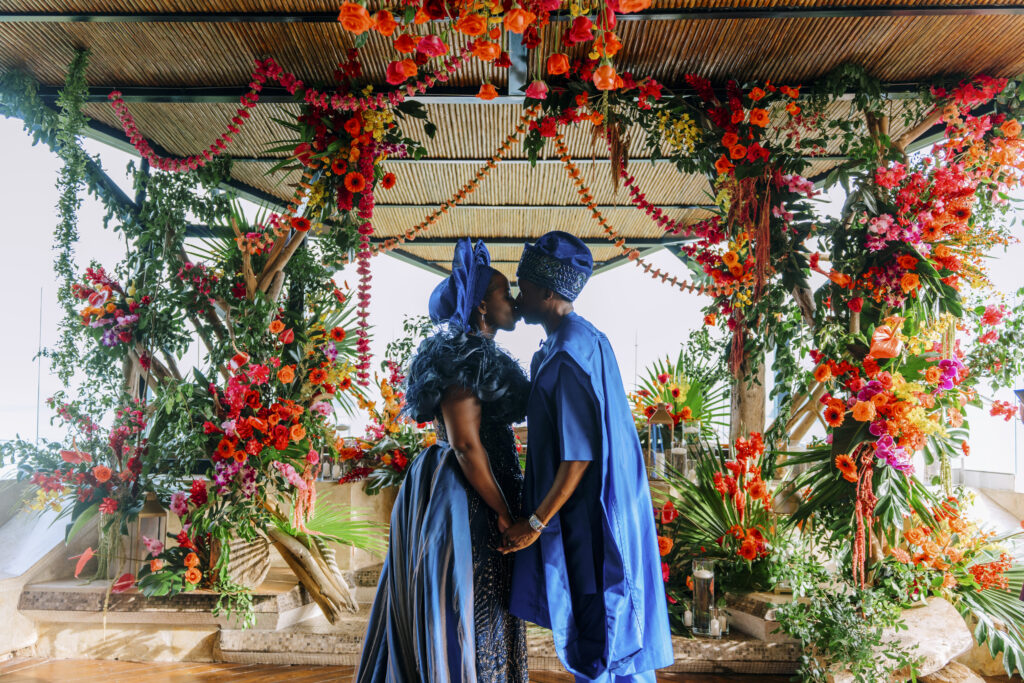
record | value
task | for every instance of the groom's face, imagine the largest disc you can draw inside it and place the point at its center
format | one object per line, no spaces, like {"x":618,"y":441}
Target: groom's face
{"x":531,"y":301}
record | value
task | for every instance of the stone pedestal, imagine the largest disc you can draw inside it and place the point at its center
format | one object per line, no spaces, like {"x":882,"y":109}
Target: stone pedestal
{"x":754,"y":615}
{"x":936,"y":633}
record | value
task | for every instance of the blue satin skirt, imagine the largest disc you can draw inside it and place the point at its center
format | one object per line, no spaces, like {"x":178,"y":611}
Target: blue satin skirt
{"x":441,"y":610}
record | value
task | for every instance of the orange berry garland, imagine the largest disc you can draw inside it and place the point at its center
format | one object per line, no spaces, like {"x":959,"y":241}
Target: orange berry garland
{"x":463,"y":192}
{"x":587,"y":199}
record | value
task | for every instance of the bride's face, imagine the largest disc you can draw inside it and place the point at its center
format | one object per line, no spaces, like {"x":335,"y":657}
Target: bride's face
{"x":499,"y":308}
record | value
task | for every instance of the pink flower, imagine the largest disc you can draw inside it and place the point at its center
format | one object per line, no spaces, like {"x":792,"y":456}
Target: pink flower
{"x":432,"y":46}
{"x":153,"y":546}
{"x":108,"y":506}
{"x":312,"y":457}
{"x":179,"y":503}
{"x":537,"y":90}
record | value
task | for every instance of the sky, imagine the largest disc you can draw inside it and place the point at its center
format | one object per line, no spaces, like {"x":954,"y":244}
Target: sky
{"x":644,"y":319}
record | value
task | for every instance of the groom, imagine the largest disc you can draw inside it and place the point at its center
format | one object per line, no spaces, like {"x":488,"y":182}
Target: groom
{"x":587,"y":563}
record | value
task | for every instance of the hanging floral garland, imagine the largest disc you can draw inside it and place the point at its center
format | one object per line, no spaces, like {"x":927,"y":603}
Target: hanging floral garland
{"x":268,"y":70}
{"x":462,"y":193}
{"x":587,"y":199}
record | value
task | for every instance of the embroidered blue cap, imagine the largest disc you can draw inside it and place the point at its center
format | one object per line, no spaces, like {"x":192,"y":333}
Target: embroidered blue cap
{"x":454,"y":299}
{"x":559,"y":261}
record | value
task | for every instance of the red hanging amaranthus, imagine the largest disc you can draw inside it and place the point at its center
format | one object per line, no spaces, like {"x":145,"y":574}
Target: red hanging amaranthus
{"x":865,"y":510}
{"x":269,"y":70}
{"x":365,"y":213}
{"x":655,"y":213}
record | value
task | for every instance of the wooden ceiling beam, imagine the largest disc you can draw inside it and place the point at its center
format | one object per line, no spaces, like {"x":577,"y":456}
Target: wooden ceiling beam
{"x":668,"y":14}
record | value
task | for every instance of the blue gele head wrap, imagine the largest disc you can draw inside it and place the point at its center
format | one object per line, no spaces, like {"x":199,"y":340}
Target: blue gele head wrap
{"x":454,"y":299}
{"x":559,"y":261}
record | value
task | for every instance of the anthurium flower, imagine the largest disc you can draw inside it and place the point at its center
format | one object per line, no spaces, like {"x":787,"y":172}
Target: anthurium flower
{"x":238,"y":360}
{"x":432,"y":46}
{"x":487,"y":92}
{"x":83,"y":560}
{"x":517,"y":19}
{"x":125,"y":582}
{"x":355,"y":18}
{"x":287,"y":337}
{"x":537,"y":90}
{"x":558,"y":64}
{"x":75,"y":457}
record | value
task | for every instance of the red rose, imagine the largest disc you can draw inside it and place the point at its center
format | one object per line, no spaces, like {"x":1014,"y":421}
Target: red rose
{"x":856,"y":304}
{"x":580,"y":31}
{"x":395,"y":73}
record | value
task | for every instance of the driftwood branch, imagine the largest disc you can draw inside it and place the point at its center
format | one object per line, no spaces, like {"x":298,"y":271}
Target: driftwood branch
{"x":917,"y":131}
{"x":312,"y":572}
{"x":281,"y":261}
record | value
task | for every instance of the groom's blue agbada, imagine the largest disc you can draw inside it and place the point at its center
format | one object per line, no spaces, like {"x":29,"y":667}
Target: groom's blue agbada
{"x":594,"y":576}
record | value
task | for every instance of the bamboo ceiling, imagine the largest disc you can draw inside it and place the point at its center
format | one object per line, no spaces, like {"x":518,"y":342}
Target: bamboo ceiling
{"x":204,"y":51}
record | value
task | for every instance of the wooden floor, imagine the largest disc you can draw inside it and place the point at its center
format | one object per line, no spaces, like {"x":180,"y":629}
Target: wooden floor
{"x":105,"y":671}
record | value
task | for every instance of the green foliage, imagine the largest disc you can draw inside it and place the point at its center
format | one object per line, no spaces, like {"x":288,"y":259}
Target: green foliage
{"x":399,"y":351}
{"x":837,"y":623}
{"x":998,"y":618}
{"x":1000,"y":362}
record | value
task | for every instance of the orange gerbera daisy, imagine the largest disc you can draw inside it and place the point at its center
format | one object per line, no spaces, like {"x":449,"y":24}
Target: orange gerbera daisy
{"x":338,"y":334}
{"x":834,"y":416}
{"x":355,"y":182}
{"x":845,"y":464}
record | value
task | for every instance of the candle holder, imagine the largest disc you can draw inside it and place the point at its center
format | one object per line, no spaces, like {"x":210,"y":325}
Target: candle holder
{"x":703,"y":597}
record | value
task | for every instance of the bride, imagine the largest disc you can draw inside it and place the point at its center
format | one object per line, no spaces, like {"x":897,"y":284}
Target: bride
{"x":441,"y":610}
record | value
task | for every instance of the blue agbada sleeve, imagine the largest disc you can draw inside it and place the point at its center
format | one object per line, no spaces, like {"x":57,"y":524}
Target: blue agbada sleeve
{"x":579,"y":433}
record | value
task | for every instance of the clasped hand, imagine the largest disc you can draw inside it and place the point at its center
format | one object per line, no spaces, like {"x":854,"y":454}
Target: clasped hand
{"x":518,"y":536}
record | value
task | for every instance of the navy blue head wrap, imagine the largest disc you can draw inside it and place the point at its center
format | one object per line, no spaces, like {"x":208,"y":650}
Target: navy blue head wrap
{"x":559,"y":261}
{"x":454,"y":299}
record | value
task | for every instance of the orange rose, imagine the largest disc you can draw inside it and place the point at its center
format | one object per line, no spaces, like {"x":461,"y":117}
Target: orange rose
{"x":410,"y":68}
{"x":471,"y":25}
{"x":723,"y":165}
{"x":757,"y":94}
{"x":406,"y":44}
{"x":156,"y":565}
{"x":748,"y":549}
{"x":664,"y":545}
{"x":276,"y":327}
{"x":631,"y":6}
{"x":487,"y":92}
{"x":759,"y":117}
{"x":486,"y":51}
{"x":558,"y":64}
{"x":822,"y":373}
{"x":518,"y":19}
{"x":191,"y":560}
{"x":604,"y":76}
{"x":607,"y":44}
{"x":915,"y":536}
{"x":1011,"y":128}
{"x":193,"y":575}
{"x":297,"y":433}
{"x":101,"y":473}
{"x":686,"y":413}
{"x":909,"y":282}
{"x":385,"y":22}
{"x":710,"y":319}
{"x":932,"y":375}
{"x":730,"y":139}
{"x":907,"y":262}
{"x":286,"y":374}
{"x":355,"y":18}
{"x":864,"y":411}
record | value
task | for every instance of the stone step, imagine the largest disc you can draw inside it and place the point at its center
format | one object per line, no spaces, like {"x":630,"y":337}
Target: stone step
{"x":279,"y":603}
{"x":317,"y":642}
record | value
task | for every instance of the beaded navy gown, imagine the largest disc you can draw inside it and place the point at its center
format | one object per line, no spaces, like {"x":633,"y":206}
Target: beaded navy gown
{"x":441,"y":610}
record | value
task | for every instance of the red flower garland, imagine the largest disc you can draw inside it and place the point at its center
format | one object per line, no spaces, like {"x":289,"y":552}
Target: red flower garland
{"x":587,"y":199}
{"x":268,"y":70}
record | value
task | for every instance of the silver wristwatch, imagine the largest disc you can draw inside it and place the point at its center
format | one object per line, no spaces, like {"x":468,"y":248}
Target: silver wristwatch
{"x":536,"y":524}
